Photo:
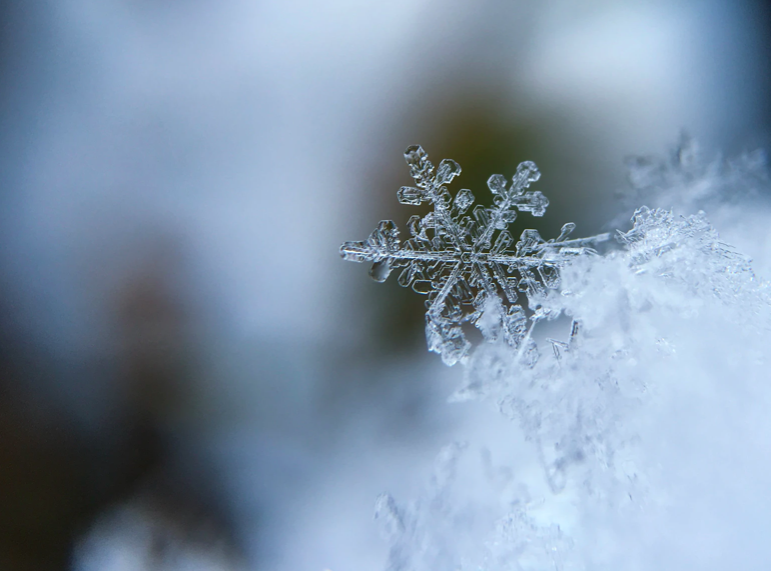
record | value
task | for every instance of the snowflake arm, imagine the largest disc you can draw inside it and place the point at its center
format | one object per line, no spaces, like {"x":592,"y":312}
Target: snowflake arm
{"x":464,"y":262}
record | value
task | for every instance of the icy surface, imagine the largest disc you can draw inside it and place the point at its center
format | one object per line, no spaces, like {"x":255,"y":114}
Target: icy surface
{"x":464,"y":262}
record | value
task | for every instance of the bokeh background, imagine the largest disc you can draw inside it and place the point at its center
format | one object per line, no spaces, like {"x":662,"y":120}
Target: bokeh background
{"x":190,"y":377}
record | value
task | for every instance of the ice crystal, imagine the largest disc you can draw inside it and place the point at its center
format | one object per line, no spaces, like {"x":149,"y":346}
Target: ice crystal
{"x":628,"y":420}
{"x":464,"y":262}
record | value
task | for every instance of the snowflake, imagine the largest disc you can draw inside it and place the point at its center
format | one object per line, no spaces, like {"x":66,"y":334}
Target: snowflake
{"x":464,"y":262}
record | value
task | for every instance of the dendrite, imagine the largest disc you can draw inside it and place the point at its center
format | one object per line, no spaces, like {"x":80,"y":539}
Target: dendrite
{"x":464,"y":262}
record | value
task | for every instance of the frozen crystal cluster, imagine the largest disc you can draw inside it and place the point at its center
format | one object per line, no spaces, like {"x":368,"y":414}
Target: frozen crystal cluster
{"x":465,"y":260}
{"x":646,"y":419}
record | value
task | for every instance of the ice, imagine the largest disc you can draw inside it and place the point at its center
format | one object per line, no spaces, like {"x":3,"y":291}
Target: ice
{"x":461,"y":261}
{"x":648,"y":415}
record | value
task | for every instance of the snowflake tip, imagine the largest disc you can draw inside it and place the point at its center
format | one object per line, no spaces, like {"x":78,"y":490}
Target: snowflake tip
{"x":527,"y":173}
{"x":448,"y":170}
{"x":421,"y":168}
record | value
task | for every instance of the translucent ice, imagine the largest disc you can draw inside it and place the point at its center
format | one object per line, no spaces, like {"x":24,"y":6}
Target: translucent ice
{"x":462,"y":262}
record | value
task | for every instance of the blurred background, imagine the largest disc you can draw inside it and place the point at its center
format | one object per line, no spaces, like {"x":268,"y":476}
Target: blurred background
{"x":190,"y":377}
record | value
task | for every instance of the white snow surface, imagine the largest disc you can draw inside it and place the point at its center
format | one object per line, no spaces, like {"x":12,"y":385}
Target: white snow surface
{"x":648,"y":424}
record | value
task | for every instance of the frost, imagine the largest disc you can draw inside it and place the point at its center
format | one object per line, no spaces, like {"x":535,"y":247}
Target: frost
{"x":686,"y":180}
{"x":465,"y":263}
{"x":647,"y":418}
{"x":441,"y":529}
{"x":423,"y":535}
